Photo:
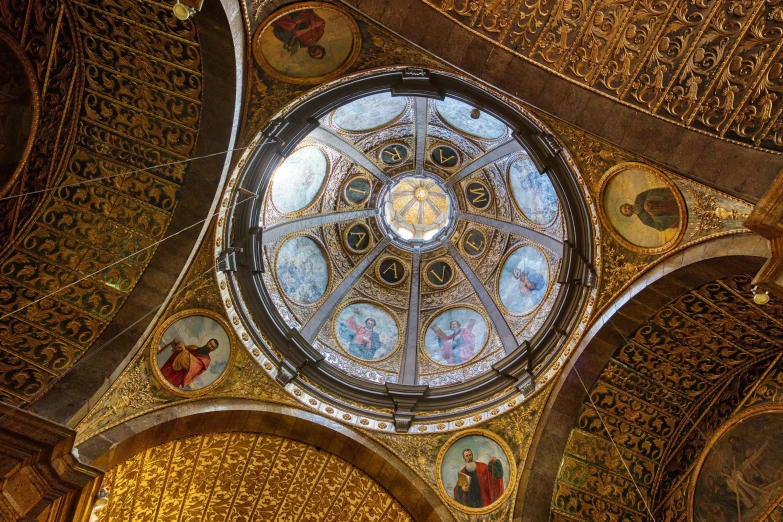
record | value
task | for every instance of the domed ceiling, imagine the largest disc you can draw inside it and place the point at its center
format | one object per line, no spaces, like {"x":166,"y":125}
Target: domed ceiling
{"x":407,"y":239}
{"x":461,"y":228}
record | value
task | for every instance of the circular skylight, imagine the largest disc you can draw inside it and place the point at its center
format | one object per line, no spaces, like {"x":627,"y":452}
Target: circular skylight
{"x":408,"y":241}
{"x":416,"y":209}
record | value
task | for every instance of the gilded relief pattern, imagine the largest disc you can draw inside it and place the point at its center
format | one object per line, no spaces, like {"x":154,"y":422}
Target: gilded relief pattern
{"x":141,"y":85}
{"x":713,"y":66}
{"x":673,"y":382}
{"x":243,"y":476}
{"x":709,"y":213}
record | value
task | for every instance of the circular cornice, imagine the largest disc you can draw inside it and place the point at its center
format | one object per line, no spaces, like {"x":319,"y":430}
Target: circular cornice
{"x":283,"y":352}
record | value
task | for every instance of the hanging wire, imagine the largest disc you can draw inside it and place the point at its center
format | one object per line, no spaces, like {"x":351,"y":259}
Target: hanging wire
{"x":617,"y":449}
{"x":156,"y":243}
{"x":126,"y":173}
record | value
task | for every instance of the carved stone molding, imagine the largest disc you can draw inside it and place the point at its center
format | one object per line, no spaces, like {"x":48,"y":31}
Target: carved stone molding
{"x":37,"y":464}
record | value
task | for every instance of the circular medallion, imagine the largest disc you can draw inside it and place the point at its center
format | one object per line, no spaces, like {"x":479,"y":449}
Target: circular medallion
{"x":474,"y":242}
{"x":394,"y":154}
{"x":478,"y":194}
{"x":524,"y":280}
{"x":302,"y":270}
{"x":456,"y":336}
{"x":307,"y":43}
{"x":643,"y":208}
{"x":439,"y":273}
{"x":390,"y":270}
{"x":357,"y":238}
{"x":476,"y":471}
{"x":366,"y":331}
{"x":737,"y":476}
{"x":469,"y":120}
{"x":444,"y":156}
{"x":299,"y":178}
{"x":191,"y":352}
{"x":370,"y":112}
{"x":532,"y":192}
{"x":357,"y":190}
{"x":416,"y":208}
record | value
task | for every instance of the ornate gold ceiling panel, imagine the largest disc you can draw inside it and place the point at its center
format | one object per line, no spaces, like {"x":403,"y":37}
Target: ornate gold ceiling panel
{"x":243,"y":476}
{"x":712,"y":66}
{"x":663,"y":395}
{"x":134,"y":71}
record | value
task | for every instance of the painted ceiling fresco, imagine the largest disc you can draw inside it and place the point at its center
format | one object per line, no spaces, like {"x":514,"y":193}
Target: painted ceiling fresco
{"x":494,"y":224}
{"x":664,"y":394}
{"x":716,"y":67}
{"x":243,"y":476}
{"x":121,"y":93}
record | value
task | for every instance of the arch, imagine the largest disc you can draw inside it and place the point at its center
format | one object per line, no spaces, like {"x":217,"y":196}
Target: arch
{"x":676,"y":275}
{"x":221,"y":33}
{"x":240,"y":415}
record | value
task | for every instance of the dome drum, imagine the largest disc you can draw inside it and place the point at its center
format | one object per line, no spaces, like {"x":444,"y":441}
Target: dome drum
{"x":300,"y":341}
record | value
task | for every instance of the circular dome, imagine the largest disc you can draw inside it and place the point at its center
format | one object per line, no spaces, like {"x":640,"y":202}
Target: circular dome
{"x":420,"y":249}
{"x":416,"y":209}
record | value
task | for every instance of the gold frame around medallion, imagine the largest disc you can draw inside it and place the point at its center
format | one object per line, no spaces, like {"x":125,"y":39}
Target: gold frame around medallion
{"x":486,"y":185}
{"x":392,"y":122}
{"x":267,"y":67}
{"x":512,"y":472}
{"x":443,"y":286}
{"x":681,"y":206}
{"x":461,"y":240}
{"x":450,"y":170}
{"x":423,"y":332}
{"x":382,"y":146}
{"x":753,"y":411}
{"x":344,"y":352}
{"x":345,"y":188}
{"x":160,"y":330}
{"x":322,"y":247}
{"x":377,"y":270}
{"x":313,"y":204}
{"x":529,"y":222}
{"x":344,"y":234}
{"x":550,"y":276}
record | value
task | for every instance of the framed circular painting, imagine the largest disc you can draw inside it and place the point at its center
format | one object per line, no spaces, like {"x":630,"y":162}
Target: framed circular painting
{"x":191,"y":352}
{"x":643,"y":208}
{"x":307,"y":43}
{"x":475,"y":471}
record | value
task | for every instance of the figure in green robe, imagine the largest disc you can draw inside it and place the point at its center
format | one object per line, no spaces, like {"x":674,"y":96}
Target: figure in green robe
{"x":657,"y":208}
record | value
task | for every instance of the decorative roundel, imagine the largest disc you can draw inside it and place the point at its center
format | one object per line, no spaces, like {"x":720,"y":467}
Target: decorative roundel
{"x":394,"y":273}
{"x":478,"y":195}
{"x":357,"y":238}
{"x":474,"y":242}
{"x":439,"y":273}
{"x":391,"y":271}
{"x":444,"y":156}
{"x":394,"y":154}
{"x":357,"y":190}
{"x":302,"y":270}
{"x":299,"y":179}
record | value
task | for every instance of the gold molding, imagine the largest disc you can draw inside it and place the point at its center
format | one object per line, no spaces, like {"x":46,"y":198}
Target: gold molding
{"x":683,"y":209}
{"x":512,"y":472}
{"x":267,"y":67}
{"x":158,"y":334}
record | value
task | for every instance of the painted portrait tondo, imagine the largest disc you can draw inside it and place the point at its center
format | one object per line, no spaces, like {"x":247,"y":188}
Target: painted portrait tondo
{"x":366,"y":331}
{"x":456,"y":336}
{"x":740,"y":475}
{"x":475,"y":473}
{"x":307,"y":43}
{"x":302,"y":270}
{"x":643,"y":208}
{"x":524,"y":280}
{"x":191,"y":352}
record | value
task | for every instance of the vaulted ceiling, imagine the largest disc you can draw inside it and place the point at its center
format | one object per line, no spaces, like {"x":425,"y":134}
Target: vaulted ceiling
{"x":642,"y":74}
